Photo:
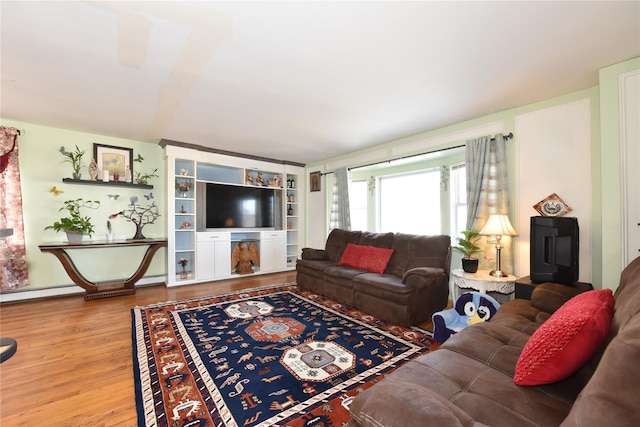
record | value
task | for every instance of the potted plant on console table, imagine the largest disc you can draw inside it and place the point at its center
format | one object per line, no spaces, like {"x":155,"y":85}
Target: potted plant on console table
{"x":467,"y":247}
{"x":75,"y":225}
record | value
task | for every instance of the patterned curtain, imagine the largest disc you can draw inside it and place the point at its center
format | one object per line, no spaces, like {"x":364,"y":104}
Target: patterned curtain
{"x":340,"y":213}
{"x":13,"y":256}
{"x":488,"y":193}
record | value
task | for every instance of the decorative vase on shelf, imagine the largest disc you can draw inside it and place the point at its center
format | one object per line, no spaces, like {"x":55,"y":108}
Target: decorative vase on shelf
{"x":183,"y":273}
{"x":76,"y":176}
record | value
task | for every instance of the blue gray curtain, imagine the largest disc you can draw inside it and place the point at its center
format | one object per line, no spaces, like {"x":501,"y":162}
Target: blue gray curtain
{"x":340,"y":214}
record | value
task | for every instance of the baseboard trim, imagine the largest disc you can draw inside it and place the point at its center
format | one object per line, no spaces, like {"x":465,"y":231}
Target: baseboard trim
{"x":62,"y":291}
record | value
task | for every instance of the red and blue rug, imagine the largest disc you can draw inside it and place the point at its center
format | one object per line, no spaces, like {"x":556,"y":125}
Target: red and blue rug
{"x":276,"y":356}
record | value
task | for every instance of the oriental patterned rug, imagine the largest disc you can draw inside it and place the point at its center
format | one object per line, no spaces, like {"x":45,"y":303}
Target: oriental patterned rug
{"x":275,"y":356}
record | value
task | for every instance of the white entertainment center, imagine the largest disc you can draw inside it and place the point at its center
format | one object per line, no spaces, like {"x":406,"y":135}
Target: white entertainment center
{"x":207,"y":253}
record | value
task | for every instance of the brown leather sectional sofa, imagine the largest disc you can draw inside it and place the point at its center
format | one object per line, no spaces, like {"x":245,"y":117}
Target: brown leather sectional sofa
{"x":414,"y":285}
{"x":469,"y":380}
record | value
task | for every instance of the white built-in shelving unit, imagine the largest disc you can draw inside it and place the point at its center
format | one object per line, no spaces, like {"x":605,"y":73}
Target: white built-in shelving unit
{"x":208,"y":252}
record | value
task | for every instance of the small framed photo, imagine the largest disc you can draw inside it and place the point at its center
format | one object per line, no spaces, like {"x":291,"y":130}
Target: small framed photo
{"x":111,"y":158}
{"x":315,"y":180}
{"x":552,"y":205}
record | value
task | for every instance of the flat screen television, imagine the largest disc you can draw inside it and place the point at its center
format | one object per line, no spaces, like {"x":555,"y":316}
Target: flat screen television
{"x":223,"y":206}
{"x":555,"y":245}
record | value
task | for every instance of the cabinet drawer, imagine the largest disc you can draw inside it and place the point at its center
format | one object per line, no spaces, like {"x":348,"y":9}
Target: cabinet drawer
{"x":276,"y":234}
{"x":212,"y":235}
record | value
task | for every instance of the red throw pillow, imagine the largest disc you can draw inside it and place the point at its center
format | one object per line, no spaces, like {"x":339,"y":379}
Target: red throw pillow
{"x":367,"y":258}
{"x":567,"y":340}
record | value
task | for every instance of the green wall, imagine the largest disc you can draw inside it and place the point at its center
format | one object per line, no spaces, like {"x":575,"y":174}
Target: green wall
{"x":42,"y":167}
{"x":611,"y":161}
{"x":508,"y":118}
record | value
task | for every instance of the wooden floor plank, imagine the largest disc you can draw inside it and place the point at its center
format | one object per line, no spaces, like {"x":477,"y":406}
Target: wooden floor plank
{"x":74,"y":364}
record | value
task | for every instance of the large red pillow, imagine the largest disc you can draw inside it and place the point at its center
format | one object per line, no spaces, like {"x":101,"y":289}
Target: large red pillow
{"x":567,"y":340}
{"x":367,"y":258}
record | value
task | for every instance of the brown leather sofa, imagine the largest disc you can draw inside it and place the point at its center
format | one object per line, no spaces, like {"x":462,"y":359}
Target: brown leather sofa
{"x":469,"y":380}
{"x":414,"y":285}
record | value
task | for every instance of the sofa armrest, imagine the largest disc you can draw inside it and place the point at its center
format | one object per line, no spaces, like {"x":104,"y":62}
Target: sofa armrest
{"x":311,"y":254}
{"x":395,"y":403}
{"x":548,"y":297}
{"x":422,"y":274}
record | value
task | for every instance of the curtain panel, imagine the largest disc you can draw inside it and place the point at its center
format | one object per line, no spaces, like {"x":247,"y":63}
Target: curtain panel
{"x":340,"y":212}
{"x":488,"y":193}
{"x":13,"y":256}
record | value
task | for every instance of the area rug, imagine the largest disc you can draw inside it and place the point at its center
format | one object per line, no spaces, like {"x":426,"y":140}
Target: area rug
{"x":275,"y":356}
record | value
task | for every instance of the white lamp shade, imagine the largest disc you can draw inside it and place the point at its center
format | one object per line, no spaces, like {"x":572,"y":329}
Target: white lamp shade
{"x":498,"y":225}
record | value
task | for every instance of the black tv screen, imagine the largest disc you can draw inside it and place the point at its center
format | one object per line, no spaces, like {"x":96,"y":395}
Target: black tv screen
{"x":233,"y":206}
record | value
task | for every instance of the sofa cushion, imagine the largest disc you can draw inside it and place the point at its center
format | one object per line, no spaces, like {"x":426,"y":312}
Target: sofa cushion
{"x":367,"y":258}
{"x":417,"y":404}
{"x":487,"y":395}
{"x":565,"y":342}
{"x":379,"y":240}
{"x":410,"y":251}
{"x":338,"y":240}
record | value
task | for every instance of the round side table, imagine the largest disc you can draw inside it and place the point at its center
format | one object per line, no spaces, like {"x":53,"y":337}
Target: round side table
{"x":500,"y":288}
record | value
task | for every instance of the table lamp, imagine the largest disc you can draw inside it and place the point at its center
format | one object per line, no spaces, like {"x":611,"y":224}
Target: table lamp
{"x":498,"y":225}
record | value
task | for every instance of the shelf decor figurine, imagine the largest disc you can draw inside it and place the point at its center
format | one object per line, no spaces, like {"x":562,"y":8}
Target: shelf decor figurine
{"x":244,"y":257}
{"x":109,"y":232}
{"x":139,"y":215}
{"x":183,"y":263}
{"x":75,"y":158}
{"x":183,"y":187}
{"x":93,"y":170}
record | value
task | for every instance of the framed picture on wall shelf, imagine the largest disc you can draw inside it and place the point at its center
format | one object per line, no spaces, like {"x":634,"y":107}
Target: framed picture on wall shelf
{"x":113,"y":159}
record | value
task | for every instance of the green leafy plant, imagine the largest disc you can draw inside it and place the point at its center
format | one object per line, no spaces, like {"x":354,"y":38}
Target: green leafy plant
{"x":75,"y":158}
{"x":467,"y":245}
{"x":143,"y":178}
{"x":75,"y":223}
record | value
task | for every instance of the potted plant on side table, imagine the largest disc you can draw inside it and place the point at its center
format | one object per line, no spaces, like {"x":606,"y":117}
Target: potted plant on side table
{"x":75,"y":225}
{"x":467,"y":247}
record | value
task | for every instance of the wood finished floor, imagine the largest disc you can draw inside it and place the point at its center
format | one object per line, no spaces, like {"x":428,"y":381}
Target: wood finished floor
{"x":74,"y":363}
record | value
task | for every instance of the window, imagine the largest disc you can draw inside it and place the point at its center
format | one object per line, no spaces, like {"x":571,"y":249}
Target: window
{"x":410,"y":202}
{"x":458,"y":199}
{"x":421,"y":194}
{"x":358,"y":197}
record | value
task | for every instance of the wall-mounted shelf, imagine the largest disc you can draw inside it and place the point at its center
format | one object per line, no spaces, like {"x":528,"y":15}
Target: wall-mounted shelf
{"x":107,"y":183}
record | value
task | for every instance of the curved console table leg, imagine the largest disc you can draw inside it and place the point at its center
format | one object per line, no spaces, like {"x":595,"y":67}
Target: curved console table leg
{"x":108,"y":289}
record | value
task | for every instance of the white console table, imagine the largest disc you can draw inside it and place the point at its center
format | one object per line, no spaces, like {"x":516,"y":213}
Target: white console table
{"x":500,"y":288}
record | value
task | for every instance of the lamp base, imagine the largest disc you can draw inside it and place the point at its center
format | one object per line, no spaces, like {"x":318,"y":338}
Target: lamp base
{"x":497,"y":273}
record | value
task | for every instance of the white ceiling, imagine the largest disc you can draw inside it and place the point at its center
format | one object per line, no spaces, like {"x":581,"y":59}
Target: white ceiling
{"x":298,"y":81}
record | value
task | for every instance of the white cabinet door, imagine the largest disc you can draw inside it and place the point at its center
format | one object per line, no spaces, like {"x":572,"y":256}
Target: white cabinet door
{"x":222,"y":259}
{"x":213,"y":256}
{"x":273,"y":251}
{"x":204,"y":258}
